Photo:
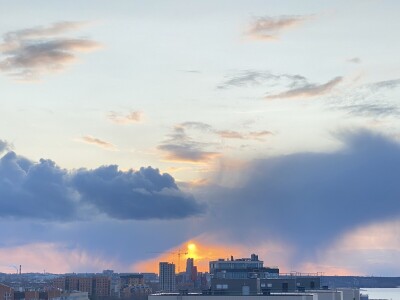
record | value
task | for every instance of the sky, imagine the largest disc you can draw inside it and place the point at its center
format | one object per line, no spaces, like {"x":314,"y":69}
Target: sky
{"x":134,"y":130}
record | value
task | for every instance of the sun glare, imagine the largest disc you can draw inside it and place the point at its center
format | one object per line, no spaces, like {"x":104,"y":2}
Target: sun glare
{"x":201,"y":252}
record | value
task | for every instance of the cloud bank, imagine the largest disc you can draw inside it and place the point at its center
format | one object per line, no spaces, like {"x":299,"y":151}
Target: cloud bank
{"x":47,"y":192}
{"x":310,"y":199}
{"x":30,"y":53}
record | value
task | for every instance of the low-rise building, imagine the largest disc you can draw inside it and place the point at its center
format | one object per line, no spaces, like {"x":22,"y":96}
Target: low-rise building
{"x":241,"y":268}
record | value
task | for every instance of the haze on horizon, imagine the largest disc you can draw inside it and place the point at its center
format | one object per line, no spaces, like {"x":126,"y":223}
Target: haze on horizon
{"x":239,"y":127}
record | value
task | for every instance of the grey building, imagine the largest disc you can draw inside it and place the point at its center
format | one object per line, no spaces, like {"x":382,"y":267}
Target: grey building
{"x":167,"y":277}
{"x":253,"y":286}
{"x":242,"y":268}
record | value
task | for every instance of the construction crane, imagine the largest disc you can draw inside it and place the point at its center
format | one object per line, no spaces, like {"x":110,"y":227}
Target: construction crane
{"x":179,"y":252}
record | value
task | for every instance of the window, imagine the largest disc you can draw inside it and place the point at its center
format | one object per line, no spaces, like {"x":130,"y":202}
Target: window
{"x":222,"y":286}
{"x":285,"y":287}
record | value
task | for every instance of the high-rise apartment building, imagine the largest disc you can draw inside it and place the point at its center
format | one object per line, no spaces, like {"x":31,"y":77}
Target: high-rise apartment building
{"x":189,"y":265}
{"x":167,"y":277}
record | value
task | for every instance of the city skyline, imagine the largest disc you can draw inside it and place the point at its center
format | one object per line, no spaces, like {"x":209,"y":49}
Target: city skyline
{"x":137,"y":129}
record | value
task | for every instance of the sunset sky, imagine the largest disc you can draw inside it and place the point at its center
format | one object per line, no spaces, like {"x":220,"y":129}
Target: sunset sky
{"x":133,"y":129}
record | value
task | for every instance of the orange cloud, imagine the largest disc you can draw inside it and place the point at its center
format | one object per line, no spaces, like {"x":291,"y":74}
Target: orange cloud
{"x":355,"y":252}
{"x":88,"y":139}
{"x":203,"y":249}
{"x":131,"y":117}
{"x":52,"y":258}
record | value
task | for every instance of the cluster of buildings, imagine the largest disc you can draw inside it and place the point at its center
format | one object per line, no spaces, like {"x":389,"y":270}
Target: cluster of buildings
{"x":245,"y":278}
{"x":98,"y":286}
{"x":190,"y":279}
{"x":105,"y":286}
{"x":240,"y":278}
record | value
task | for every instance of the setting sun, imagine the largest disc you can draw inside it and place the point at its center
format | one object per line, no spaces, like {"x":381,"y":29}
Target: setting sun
{"x":201,"y":252}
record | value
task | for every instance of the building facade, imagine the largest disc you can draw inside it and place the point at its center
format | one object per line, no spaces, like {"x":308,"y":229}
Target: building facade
{"x":242,"y":268}
{"x":167,"y":277}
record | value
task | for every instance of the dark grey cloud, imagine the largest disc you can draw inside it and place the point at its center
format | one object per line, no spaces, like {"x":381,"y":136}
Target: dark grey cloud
{"x":251,"y":78}
{"x":310,"y":199}
{"x":138,"y":195}
{"x":308,"y":90}
{"x":36,"y":191}
{"x":45,"y":191}
{"x":29,"y":53}
{"x":270,"y":28}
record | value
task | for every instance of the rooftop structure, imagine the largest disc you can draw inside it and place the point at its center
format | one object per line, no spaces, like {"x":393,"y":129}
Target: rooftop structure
{"x":242,"y":268}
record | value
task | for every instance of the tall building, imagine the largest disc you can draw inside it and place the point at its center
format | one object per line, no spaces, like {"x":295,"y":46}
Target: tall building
{"x":167,"y":277}
{"x":189,"y":266}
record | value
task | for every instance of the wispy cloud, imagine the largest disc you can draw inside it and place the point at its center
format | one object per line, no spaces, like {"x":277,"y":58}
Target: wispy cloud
{"x":250,"y":78}
{"x":30,"y":53}
{"x":370,"y":109}
{"x":98,"y":142}
{"x":259,"y":134}
{"x":230,"y":134}
{"x":180,"y":147}
{"x":270,"y":28}
{"x":131,"y":117}
{"x":254,"y":135}
{"x":308,"y":90}
{"x":386,"y":84}
{"x":354,"y":60}
{"x":374,"y":99}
